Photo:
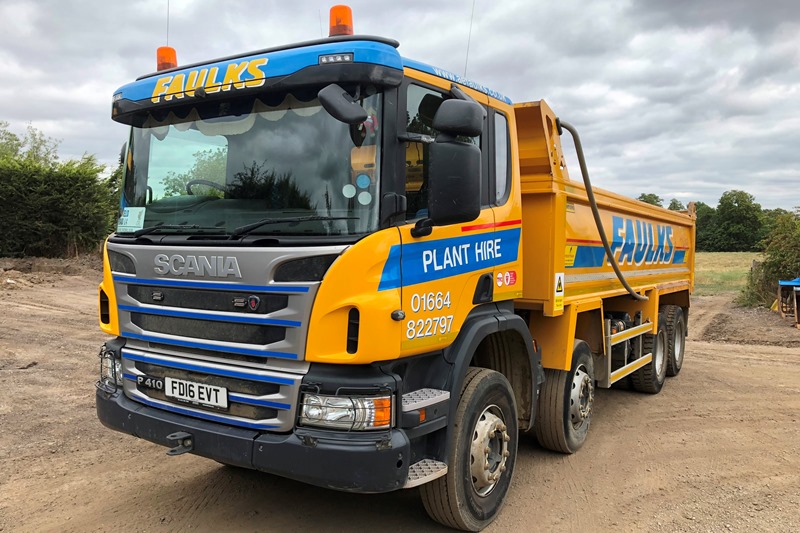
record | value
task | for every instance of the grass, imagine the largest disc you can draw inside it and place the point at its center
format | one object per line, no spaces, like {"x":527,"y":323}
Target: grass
{"x":718,"y":272}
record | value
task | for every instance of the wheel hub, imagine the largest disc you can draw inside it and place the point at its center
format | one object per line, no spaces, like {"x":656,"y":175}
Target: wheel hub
{"x":581,"y":398}
{"x":488,"y":450}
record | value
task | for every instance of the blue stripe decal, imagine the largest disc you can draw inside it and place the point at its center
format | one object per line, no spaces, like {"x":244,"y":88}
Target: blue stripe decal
{"x":207,"y":416}
{"x":129,"y":377}
{"x":595,"y":256}
{"x":210,"y":285}
{"x":217,"y":317}
{"x":205,"y":370}
{"x":212,"y":347}
{"x":421,"y":262}
{"x":589,"y":257}
{"x":238,"y":398}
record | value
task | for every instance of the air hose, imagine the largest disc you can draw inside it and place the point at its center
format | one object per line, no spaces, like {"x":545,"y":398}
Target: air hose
{"x":595,"y":211}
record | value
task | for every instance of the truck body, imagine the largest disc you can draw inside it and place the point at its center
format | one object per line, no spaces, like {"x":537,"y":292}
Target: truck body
{"x":376,"y":302}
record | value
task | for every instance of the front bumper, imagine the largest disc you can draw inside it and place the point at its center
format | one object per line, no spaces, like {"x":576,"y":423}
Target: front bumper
{"x":365,"y":463}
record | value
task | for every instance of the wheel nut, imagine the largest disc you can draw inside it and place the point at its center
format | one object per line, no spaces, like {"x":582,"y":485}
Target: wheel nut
{"x":502,"y":468}
{"x":506,"y":453}
{"x":487,"y":450}
{"x":506,"y":438}
{"x":486,"y":465}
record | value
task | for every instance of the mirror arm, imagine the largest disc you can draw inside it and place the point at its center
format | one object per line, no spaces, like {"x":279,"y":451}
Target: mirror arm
{"x":458,"y":94}
{"x":416,"y":138}
{"x":422,"y":228}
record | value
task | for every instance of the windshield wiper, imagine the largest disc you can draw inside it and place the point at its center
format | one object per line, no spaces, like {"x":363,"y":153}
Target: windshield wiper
{"x":244,"y":230}
{"x":152,"y":229}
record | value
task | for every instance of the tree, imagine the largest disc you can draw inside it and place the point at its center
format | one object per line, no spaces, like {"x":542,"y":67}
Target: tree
{"x":769,"y":218}
{"x":738,"y":222}
{"x":278,"y":191}
{"x":676,"y":205}
{"x":10,"y":143}
{"x":208,"y":165}
{"x":706,"y":238}
{"x":650,"y":198}
{"x":34,"y":146}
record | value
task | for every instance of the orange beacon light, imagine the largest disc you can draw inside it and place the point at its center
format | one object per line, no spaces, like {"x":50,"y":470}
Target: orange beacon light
{"x":341,"y":21}
{"x":166,"y":58}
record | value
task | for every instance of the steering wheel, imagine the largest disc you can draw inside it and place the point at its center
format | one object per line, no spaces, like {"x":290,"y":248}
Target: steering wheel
{"x":208,"y":183}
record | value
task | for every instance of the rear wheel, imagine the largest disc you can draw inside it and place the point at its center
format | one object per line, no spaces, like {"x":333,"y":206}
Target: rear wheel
{"x":482,"y":457}
{"x":564,"y":409}
{"x":676,"y":338}
{"x":650,"y":378}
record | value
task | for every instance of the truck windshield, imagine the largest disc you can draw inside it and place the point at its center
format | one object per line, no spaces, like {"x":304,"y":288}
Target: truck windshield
{"x":242,"y":167}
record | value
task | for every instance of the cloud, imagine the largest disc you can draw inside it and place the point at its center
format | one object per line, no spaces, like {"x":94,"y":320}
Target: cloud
{"x":682,"y":99}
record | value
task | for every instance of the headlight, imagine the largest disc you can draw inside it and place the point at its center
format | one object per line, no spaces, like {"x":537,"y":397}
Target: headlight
{"x":350,"y":413}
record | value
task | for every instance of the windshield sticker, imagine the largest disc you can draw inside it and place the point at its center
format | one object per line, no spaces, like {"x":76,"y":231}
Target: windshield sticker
{"x":364,"y":198}
{"x":132,"y":219}
{"x":349,"y":191}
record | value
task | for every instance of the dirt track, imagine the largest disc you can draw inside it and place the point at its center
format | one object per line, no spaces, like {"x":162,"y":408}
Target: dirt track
{"x":717,"y":450}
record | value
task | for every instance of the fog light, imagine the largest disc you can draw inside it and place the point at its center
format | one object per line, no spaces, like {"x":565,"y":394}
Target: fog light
{"x":350,"y":413}
{"x":110,"y":369}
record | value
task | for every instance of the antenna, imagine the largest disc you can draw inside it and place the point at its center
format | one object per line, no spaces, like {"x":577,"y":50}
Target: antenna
{"x":469,"y":38}
{"x":321,"y":33}
{"x":167,"y":22}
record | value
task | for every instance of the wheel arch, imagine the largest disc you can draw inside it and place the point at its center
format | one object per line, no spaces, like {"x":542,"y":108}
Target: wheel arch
{"x":494,"y":337}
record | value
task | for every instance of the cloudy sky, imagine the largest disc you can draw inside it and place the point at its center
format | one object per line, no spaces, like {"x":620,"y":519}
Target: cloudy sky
{"x":682,"y":98}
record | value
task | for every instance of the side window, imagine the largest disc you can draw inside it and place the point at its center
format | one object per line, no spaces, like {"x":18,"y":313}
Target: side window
{"x":421,"y":106}
{"x":501,"y":157}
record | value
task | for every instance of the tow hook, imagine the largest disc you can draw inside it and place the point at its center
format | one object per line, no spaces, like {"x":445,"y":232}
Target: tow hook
{"x":182,"y":442}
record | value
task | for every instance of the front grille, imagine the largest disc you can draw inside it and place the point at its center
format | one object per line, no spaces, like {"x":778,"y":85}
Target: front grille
{"x":235,"y":409}
{"x":254,"y":388}
{"x":208,"y":300}
{"x":257,"y":399}
{"x":209,"y":329}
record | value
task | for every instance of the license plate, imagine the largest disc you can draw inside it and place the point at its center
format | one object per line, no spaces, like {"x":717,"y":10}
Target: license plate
{"x":196,"y":393}
{"x":150,"y":382}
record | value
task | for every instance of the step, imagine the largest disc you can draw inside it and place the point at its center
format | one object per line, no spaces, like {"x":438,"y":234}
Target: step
{"x":423,"y":398}
{"x":423,"y":472}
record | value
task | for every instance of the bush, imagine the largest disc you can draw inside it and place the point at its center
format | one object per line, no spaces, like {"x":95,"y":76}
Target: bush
{"x":781,"y":262}
{"x":52,"y":210}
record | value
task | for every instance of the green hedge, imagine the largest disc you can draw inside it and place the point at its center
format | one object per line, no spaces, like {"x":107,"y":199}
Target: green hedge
{"x":52,"y":210}
{"x":781,"y":262}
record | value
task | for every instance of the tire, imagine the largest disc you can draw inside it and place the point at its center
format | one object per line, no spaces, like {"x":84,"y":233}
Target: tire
{"x":469,"y":496}
{"x":650,"y":378}
{"x":564,"y":409}
{"x":676,"y":338}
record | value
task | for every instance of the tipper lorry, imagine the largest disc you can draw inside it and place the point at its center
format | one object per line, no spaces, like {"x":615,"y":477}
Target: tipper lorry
{"x":341,"y":266}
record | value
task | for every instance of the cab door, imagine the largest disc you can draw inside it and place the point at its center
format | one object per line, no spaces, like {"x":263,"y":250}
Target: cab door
{"x":445,"y":274}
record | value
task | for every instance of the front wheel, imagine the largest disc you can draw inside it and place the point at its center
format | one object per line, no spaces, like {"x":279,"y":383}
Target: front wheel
{"x":481,"y":460}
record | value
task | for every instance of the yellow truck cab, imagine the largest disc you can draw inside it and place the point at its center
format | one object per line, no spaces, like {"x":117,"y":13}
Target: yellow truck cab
{"x":352,"y":269}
